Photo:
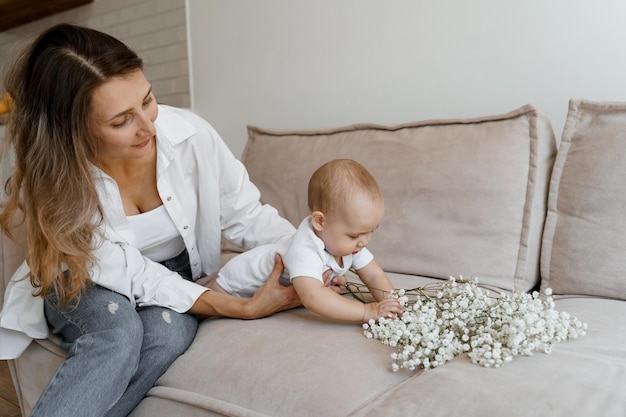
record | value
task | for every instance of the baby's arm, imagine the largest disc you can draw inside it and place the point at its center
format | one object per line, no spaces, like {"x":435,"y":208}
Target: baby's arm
{"x":325,"y":302}
{"x":376,"y":280}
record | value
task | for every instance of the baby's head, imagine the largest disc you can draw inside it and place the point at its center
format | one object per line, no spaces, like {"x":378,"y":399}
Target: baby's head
{"x":346,"y":206}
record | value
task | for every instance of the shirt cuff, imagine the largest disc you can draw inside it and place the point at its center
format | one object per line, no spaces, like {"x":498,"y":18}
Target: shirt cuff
{"x":179,"y":297}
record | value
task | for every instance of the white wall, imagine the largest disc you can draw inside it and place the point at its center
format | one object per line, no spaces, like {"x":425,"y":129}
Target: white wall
{"x":326,"y":63}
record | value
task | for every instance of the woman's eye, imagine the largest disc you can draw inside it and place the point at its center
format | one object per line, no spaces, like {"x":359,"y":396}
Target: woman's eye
{"x":148,"y":101}
{"x":122,"y":123}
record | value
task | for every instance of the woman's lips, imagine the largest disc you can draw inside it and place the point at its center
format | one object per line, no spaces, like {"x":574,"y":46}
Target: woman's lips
{"x":143,"y":144}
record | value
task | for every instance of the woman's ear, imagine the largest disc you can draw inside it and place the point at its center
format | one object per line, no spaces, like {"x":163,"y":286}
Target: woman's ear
{"x":317,"y":220}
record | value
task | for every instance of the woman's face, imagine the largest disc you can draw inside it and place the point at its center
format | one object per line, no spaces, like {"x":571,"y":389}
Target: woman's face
{"x":122,"y":118}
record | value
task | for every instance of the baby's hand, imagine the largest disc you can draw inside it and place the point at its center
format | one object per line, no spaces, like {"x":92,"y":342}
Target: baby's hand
{"x":388,"y":308}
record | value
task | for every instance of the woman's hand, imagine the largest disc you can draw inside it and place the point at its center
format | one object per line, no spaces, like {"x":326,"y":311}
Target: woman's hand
{"x":272,"y":296}
{"x":335,"y":283}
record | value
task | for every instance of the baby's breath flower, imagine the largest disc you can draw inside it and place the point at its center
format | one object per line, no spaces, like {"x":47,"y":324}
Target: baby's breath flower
{"x":443,"y":321}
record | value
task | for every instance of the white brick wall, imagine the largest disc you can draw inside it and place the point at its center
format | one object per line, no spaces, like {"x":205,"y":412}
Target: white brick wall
{"x":155,"y":29}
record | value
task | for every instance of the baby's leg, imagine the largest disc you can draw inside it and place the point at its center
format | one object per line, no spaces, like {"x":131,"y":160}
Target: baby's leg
{"x":245,"y":273}
{"x":213,"y":285}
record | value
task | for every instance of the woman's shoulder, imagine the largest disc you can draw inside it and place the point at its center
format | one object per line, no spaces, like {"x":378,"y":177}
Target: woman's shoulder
{"x":177,"y":118}
{"x":182,"y":132}
{"x":178,"y":125}
{"x":184,"y":113}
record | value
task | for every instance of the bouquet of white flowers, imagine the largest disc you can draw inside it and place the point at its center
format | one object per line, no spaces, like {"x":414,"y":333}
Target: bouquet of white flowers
{"x":442,"y":321}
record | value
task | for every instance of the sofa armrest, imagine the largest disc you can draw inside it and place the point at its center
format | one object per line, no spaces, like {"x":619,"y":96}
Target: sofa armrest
{"x":12,"y":254}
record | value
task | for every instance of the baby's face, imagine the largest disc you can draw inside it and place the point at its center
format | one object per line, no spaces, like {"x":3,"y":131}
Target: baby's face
{"x":349,"y":232}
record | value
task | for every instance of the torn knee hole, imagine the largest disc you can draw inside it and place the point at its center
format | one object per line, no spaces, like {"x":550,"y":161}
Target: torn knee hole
{"x":113,"y":307}
{"x":166,"y":316}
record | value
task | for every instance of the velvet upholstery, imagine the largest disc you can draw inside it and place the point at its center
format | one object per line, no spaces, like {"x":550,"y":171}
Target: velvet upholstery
{"x":463,"y":197}
{"x":584,"y":244}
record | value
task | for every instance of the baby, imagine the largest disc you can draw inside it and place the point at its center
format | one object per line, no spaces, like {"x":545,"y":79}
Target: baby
{"x":346,"y":207}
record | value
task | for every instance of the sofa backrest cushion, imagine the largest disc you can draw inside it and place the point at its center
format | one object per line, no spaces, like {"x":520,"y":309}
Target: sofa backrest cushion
{"x":584,"y":248}
{"x":462,"y":197}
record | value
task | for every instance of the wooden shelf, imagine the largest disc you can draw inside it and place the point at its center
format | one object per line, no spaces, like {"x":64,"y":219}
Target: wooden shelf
{"x":17,"y":12}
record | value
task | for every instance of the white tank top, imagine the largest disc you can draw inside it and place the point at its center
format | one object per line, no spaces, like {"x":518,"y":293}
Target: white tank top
{"x":157,"y":236}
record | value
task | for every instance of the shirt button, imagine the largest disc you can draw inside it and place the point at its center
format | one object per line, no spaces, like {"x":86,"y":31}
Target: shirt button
{"x":186,"y":227}
{"x":169,"y":198}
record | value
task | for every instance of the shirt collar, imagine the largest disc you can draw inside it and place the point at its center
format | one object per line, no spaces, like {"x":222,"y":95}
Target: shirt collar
{"x":172,"y":126}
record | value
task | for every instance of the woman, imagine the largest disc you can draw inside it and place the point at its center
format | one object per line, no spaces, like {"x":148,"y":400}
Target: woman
{"x":124,"y":203}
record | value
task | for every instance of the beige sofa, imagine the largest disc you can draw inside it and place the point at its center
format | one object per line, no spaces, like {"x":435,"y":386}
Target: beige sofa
{"x":488,"y":197}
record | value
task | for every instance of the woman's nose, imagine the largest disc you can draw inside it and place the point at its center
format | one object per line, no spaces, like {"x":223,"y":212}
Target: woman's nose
{"x":146,"y":125}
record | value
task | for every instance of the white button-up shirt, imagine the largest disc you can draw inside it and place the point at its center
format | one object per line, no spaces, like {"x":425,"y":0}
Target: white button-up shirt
{"x":207,"y":193}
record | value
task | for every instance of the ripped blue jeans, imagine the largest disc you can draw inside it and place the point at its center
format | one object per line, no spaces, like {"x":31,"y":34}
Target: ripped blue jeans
{"x":116,"y":352}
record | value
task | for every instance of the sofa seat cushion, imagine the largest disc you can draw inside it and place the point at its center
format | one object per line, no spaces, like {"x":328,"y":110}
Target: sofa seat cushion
{"x":584,"y":246}
{"x":296,"y":363}
{"x":584,"y":377}
{"x":292,"y":363}
{"x":34,"y":368}
{"x":277,"y":366}
{"x":462,"y":197}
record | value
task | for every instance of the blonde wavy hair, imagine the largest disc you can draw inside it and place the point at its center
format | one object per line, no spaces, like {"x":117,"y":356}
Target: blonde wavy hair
{"x":51,"y":190}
